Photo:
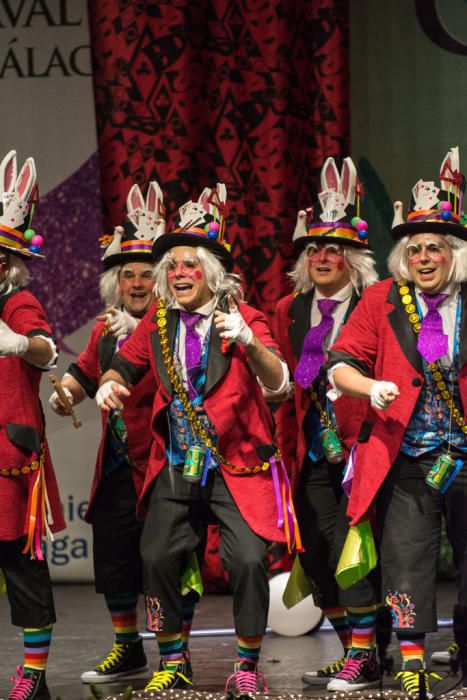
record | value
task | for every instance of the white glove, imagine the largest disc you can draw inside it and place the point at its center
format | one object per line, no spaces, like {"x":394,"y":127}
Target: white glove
{"x":382,"y":394}
{"x":119,"y":321}
{"x":103,"y":396}
{"x":233,"y":325}
{"x":54,"y":401}
{"x":12,"y":344}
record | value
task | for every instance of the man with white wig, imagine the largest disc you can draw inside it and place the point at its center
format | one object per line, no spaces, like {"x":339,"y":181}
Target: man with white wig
{"x":333,"y":267}
{"x":213,"y":454}
{"x":29,"y":499}
{"x":404,"y":349}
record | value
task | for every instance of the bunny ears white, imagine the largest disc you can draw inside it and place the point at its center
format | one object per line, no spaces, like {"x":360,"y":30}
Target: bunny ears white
{"x":18,"y":195}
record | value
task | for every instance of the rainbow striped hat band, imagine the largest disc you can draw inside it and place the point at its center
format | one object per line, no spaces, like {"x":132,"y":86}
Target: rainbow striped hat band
{"x":133,"y":241}
{"x":200,"y":223}
{"x":336,"y":216}
{"x":435,"y":209}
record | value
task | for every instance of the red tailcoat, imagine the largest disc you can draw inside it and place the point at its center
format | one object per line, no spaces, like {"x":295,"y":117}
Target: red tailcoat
{"x":234,"y":403}
{"x":292,"y":323}
{"x":22,"y":435}
{"x":379,"y":341}
{"x":91,"y":364}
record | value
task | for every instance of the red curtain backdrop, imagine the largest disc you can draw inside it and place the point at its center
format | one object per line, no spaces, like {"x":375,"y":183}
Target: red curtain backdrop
{"x":252,"y":93}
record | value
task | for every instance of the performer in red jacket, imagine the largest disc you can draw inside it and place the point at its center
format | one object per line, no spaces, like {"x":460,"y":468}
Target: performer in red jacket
{"x":29,"y":500}
{"x":333,"y":267}
{"x":213,"y":454}
{"x":404,"y":349}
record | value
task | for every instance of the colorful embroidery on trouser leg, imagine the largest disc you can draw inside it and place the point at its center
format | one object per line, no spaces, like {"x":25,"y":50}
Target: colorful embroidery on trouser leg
{"x":402,"y":608}
{"x":339,"y":620}
{"x":36,"y":647}
{"x":363,"y":621}
{"x":154,"y":614}
{"x":124,"y":617}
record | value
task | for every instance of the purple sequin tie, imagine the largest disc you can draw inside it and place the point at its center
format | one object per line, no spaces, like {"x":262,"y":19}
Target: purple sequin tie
{"x":192,"y":347}
{"x":312,"y":355}
{"x":432,"y":342}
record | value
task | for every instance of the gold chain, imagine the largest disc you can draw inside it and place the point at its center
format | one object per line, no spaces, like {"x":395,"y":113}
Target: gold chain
{"x":434,"y":367}
{"x":161,"y":320}
{"x":32,"y":467}
{"x":323,"y":416}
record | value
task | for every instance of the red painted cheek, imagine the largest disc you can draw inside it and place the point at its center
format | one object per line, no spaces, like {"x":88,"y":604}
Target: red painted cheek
{"x":171,"y":275}
{"x":340,"y":265}
{"x":439,"y":258}
{"x":198,"y":275}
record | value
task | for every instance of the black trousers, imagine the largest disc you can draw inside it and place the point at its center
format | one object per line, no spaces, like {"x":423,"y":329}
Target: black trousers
{"x":409,"y":515}
{"x":29,"y":589}
{"x":178,"y":514}
{"x":323,"y":522}
{"x":116,"y":536}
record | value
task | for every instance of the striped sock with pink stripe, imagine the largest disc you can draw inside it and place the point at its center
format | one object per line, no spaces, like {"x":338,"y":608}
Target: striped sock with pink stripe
{"x":363,"y":622}
{"x":248,"y":649}
{"x":170,"y":649}
{"x":124,"y":617}
{"x":36,"y":647}
{"x":412,"y":647}
{"x":339,"y":620}
{"x":188,"y":611}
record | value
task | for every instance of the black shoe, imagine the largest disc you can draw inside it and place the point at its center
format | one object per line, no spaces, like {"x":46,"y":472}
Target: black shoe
{"x":325,"y":674}
{"x":125,"y":661}
{"x":29,"y":684}
{"x":410,"y":676}
{"x":361,"y":670}
{"x":164,"y":679}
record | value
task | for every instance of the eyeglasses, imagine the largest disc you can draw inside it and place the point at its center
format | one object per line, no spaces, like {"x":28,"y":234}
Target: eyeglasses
{"x":332,"y":250}
{"x":433,"y":250}
{"x":187,"y":263}
{"x":130,"y":275}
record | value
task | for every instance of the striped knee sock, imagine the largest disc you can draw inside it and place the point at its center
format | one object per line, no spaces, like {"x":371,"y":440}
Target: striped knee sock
{"x":188,"y":611}
{"x":170,"y":649}
{"x":363,"y":622}
{"x":248,"y":649}
{"x":124,"y":617}
{"x":36,"y":647}
{"x":340,"y":622}
{"x":412,"y":647}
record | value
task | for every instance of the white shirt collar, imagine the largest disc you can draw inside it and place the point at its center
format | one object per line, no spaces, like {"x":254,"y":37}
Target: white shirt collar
{"x":207,"y":309}
{"x":342,"y":295}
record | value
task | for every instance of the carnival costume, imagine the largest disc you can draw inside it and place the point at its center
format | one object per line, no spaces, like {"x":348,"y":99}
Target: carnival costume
{"x":404,"y":453}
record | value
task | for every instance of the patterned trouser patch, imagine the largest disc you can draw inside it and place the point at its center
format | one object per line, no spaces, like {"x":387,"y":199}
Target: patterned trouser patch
{"x":402,"y":609}
{"x":154,"y":614}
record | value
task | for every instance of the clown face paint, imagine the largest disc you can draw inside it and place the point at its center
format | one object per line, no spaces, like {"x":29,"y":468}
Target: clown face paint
{"x":429,"y":260}
{"x":186,"y":278}
{"x":135,"y":287}
{"x":326,"y":267}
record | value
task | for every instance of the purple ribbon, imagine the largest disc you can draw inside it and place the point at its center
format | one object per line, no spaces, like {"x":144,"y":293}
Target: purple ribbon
{"x":347,"y":478}
{"x":279,"y":474}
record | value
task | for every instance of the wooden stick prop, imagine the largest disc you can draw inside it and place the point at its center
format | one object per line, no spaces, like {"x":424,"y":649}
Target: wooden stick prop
{"x":64,"y":399}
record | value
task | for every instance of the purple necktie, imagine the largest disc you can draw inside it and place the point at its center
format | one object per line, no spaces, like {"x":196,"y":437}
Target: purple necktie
{"x":312,"y":355}
{"x":192,"y":348}
{"x":432,"y":342}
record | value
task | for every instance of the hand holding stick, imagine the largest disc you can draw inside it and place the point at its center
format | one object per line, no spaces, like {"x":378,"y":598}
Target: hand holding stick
{"x":64,"y":399}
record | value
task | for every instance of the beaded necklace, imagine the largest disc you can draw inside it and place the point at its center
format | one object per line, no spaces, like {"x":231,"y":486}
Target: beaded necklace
{"x":161,"y":320}
{"x":434,"y":367}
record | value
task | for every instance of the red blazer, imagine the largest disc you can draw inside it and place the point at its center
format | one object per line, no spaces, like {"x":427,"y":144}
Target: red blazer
{"x":22,"y":434}
{"x":379,"y":341}
{"x":292,"y":323}
{"x":91,"y":364}
{"x":232,"y":400}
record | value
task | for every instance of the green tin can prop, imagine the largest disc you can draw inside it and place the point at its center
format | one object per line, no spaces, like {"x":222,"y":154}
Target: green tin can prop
{"x":332,"y":446}
{"x":443,"y":472}
{"x":194,"y":461}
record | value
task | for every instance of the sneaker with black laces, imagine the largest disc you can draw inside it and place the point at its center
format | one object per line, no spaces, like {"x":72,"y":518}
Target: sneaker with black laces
{"x":325,"y":674}
{"x":126,"y":660}
{"x":247,"y":679}
{"x":360,"y":670}
{"x":169,"y":676}
{"x":410,"y":676}
{"x":445,"y":656}
{"x":29,"y":684}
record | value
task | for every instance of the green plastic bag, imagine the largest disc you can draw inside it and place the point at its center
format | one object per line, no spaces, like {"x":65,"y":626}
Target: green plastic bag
{"x":358,"y":556}
{"x":2,"y":583}
{"x":191,"y":578}
{"x":298,"y":586}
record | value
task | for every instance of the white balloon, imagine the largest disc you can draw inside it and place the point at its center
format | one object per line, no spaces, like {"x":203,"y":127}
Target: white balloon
{"x":295,"y":621}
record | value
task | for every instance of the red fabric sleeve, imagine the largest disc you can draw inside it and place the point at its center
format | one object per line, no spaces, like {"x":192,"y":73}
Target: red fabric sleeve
{"x":88,"y":360}
{"x":260,"y":326}
{"x":23,"y":313}
{"x":137,"y":348}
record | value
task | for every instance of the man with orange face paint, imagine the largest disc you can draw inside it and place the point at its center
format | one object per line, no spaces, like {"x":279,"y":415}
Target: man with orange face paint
{"x":404,"y":350}
{"x":213,"y":455}
{"x":333,"y":267}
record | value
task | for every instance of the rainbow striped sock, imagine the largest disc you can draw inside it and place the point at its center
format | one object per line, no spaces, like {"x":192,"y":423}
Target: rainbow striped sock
{"x":363,"y":622}
{"x":340,"y":622}
{"x":188,"y":611}
{"x":412,"y":646}
{"x":36,"y":647}
{"x":170,"y":649}
{"x":248,"y":649}
{"x":124,"y":617}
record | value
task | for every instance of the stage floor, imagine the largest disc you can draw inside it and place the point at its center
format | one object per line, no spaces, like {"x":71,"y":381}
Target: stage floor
{"x":83,"y":636}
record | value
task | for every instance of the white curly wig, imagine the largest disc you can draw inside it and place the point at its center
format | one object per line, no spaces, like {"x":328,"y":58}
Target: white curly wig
{"x":398,"y":267}
{"x":17,"y":274}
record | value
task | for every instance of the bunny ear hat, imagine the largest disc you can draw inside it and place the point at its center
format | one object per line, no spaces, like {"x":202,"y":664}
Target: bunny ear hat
{"x":336,"y":218}
{"x":18,"y":195}
{"x":200,"y":223}
{"x":436,"y":209}
{"x":133,"y":241}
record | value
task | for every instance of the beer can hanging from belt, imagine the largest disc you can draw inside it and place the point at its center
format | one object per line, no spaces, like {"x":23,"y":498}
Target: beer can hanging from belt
{"x":194,"y":460}
{"x":332,"y":446}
